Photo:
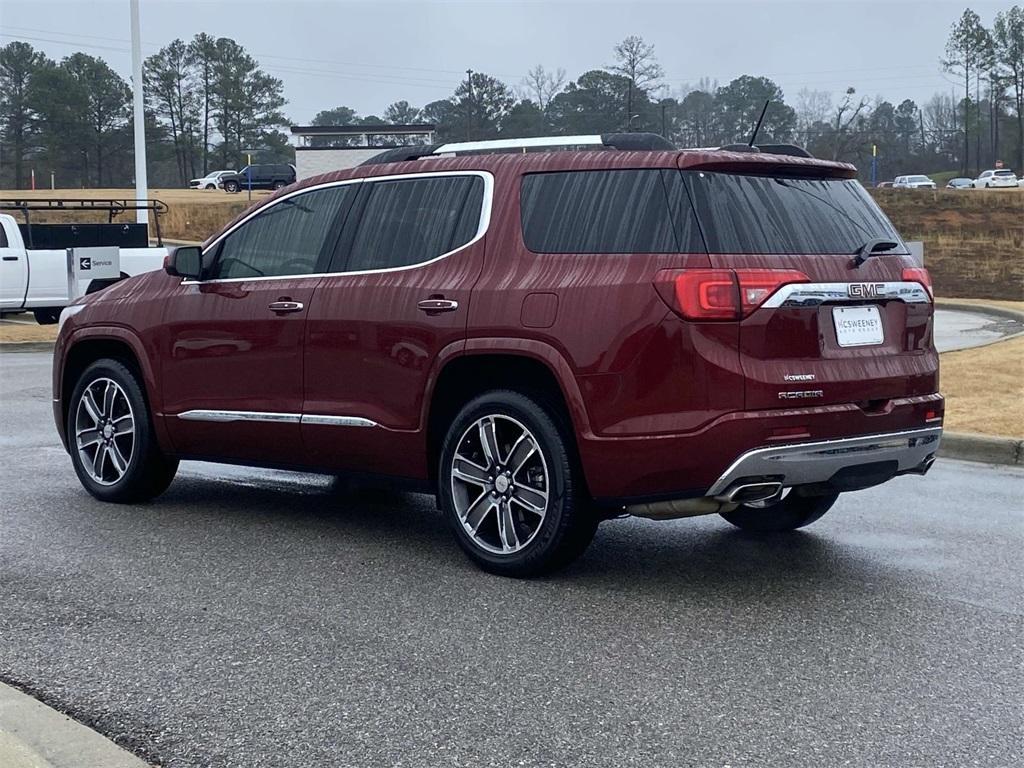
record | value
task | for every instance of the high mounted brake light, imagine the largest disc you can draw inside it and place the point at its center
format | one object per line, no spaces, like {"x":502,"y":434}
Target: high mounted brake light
{"x":919,"y":275}
{"x":721,"y":294}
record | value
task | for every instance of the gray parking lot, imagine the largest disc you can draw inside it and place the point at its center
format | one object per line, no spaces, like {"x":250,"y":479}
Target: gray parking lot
{"x":280,"y":622}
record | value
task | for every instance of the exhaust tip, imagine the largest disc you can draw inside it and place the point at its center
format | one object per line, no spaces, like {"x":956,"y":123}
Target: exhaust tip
{"x":747,"y":492}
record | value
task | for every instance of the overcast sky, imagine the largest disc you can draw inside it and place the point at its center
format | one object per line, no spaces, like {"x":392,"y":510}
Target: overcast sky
{"x":368,"y":54}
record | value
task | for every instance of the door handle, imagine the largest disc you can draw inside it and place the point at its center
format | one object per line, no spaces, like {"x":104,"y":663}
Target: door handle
{"x":286,"y":306}
{"x":432,"y":306}
{"x":10,"y":258}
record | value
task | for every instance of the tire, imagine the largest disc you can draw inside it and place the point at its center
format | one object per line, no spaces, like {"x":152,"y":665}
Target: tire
{"x":140,"y":471}
{"x":279,"y":185}
{"x":231,"y":186}
{"x":548,"y":478}
{"x":210,"y":186}
{"x":794,"y":511}
{"x":48,"y":316}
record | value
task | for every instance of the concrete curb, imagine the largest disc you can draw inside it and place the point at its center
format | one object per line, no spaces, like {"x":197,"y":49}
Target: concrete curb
{"x":26,"y":346}
{"x":34,"y":736}
{"x":1007,"y":451}
{"x":984,"y":309}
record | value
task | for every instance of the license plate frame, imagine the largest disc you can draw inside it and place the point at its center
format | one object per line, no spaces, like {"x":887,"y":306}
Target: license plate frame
{"x":858,"y":326}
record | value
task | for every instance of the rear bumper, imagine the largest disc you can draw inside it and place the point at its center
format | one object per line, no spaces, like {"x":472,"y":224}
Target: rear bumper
{"x":637,"y":469}
{"x":846,"y":463}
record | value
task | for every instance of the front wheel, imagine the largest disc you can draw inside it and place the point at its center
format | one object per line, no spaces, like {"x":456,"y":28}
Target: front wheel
{"x":509,"y":486}
{"x":110,"y":436}
{"x":230,"y":186}
{"x":795,"y":510}
{"x":279,"y":185}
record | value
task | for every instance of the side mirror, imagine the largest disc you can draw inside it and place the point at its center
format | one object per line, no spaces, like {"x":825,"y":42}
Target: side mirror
{"x":185,"y":261}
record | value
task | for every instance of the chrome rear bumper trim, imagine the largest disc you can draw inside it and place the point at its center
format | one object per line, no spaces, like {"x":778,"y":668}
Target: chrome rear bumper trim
{"x":805,"y":463}
{"x":812,"y":294}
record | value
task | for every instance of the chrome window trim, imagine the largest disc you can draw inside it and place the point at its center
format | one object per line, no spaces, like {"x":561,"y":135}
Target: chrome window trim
{"x":481,"y":230}
{"x":225,"y":416}
{"x":811,"y":294}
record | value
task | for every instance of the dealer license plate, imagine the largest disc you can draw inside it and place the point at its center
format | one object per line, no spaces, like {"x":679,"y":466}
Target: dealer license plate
{"x":857,"y":326}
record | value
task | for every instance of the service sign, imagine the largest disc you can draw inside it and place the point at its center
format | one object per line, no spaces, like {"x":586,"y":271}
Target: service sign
{"x":96,"y":263}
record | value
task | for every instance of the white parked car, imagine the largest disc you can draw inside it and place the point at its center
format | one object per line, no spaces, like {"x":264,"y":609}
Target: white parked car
{"x":913,"y":182}
{"x":212,"y":180}
{"x":1000,"y":178}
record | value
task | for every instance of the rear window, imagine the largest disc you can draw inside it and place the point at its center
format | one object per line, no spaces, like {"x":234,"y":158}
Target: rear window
{"x":612,"y":211}
{"x":1004,"y":173}
{"x":764,"y":214}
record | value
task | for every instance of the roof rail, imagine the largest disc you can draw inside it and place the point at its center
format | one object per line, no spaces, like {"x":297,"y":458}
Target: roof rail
{"x":619,"y":141}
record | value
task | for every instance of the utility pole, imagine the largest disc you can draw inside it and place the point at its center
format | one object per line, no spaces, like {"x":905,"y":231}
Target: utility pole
{"x":469,"y":110}
{"x":141,"y":183}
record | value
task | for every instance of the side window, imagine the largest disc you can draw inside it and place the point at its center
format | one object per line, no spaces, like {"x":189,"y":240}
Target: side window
{"x":614,"y":211}
{"x":410,"y":221}
{"x":3,"y":238}
{"x":288,"y":238}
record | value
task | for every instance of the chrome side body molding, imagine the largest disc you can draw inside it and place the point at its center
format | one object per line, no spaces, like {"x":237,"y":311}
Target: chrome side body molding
{"x":294,"y":418}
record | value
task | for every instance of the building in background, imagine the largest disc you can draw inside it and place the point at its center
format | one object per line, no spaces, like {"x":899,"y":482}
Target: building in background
{"x":323,"y":148}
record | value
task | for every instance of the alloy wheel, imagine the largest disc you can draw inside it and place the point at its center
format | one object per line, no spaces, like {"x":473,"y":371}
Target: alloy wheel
{"x":500,"y":484}
{"x":105,"y":431}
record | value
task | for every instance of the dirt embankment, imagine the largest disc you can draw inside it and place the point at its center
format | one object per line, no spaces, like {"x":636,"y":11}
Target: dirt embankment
{"x":973,"y":239}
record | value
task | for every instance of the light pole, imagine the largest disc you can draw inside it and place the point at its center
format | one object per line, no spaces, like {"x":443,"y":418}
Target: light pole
{"x":141,"y":183}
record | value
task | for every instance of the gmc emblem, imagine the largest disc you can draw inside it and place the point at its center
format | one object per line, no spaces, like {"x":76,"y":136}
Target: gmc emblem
{"x":865,"y":290}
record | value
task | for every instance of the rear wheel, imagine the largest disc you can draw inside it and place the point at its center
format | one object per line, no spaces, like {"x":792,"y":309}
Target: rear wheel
{"x":110,"y":436}
{"x":794,"y":510}
{"x":509,"y":487}
{"x":279,"y":185}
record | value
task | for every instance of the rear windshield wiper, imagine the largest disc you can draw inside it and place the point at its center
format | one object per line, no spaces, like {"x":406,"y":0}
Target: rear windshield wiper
{"x":871,"y":247}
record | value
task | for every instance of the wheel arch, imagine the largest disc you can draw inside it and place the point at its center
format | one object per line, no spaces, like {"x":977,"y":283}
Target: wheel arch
{"x":91,"y":344}
{"x":487,"y":364}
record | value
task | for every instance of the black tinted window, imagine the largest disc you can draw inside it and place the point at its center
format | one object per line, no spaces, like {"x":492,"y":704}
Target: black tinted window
{"x":762,"y":214}
{"x":285,"y":239}
{"x":615,"y":211}
{"x":3,"y":238}
{"x":410,"y":221}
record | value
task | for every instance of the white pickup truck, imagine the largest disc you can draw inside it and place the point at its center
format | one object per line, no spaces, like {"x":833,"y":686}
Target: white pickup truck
{"x":36,"y":279}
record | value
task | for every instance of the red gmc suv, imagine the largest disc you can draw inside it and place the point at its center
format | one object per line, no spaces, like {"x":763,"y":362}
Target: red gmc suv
{"x":544,"y":339}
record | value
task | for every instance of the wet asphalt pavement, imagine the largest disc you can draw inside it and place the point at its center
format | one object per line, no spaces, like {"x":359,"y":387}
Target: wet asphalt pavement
{"x":276,"y":622}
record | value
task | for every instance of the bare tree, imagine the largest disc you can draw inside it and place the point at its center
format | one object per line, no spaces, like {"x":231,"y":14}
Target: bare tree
{"x":635,"y":61}
{"x":846,"y":115}
{"x":541,"y":86}
{"x":812,"y":108}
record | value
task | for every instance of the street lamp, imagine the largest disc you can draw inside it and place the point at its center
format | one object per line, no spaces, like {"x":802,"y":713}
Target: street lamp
{"x":629,"y":123}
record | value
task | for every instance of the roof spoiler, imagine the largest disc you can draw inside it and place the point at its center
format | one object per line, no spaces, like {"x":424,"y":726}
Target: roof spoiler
{"x":772,"y":149}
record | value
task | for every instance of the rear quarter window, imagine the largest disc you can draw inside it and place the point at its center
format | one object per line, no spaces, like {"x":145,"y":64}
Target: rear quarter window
{"x":782,"y":215}
{"x":607,"y":211}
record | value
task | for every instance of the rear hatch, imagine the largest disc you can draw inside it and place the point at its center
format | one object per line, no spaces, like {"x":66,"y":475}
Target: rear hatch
{"x":820,"y":325}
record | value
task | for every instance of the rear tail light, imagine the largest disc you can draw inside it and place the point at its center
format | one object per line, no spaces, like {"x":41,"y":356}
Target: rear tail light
{"x":721,"y":294}
{"x":919,"y":275}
